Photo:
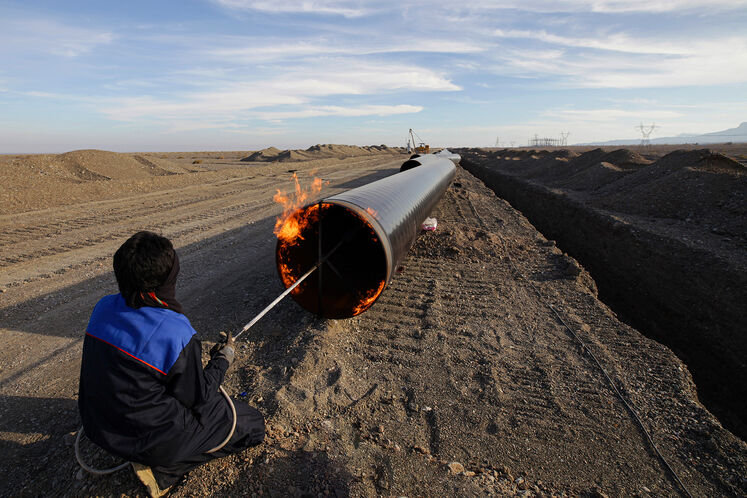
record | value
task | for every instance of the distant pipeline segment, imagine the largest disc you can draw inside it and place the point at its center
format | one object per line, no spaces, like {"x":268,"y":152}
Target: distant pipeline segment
{"x":420,"y":159}
{"x":361,"y":235}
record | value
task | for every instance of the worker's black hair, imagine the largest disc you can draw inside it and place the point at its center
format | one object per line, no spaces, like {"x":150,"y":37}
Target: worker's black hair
{"x":143,"y":262}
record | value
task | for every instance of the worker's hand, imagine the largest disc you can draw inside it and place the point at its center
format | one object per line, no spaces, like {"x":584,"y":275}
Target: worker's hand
{"x":224,"y":348}
{"x":227,"y":339}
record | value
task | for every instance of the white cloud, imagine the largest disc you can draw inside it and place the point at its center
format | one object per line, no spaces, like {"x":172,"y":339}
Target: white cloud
{"x":335,"y":7}
{"x":298,"y":87}
{"x":358,"y":8}
{"x":52,"y":37}
{"x":608,"y":114}
{"x":620,"y":6}
{"x":619,"y":60}
{"x":614,"y":6}
{"x":366,"y":110}
{"x":619,"y":42}
{"x":255,"y":50}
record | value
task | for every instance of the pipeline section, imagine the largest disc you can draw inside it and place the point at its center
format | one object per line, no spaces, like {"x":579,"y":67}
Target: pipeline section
{"x":423,"y":159}
{"x":379,"y":222}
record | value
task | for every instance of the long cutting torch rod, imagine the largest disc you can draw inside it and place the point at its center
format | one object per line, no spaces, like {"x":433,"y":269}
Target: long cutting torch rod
{"x":278,"y":299}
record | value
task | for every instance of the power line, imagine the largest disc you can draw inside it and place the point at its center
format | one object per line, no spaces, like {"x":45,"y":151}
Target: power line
{"x":538,"y":141}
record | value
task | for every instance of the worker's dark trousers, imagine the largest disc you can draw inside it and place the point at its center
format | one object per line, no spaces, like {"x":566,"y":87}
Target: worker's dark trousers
{"x":250,"y":431}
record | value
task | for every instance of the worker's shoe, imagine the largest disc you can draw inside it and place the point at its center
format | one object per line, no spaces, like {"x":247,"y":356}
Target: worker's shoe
{"x":145,"y":474}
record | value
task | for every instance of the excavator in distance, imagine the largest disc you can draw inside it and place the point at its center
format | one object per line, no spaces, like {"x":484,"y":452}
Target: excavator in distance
{"x":421,"y":147}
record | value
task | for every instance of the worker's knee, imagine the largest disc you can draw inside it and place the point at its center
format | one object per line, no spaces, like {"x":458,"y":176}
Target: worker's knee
{"x":251,"y":424}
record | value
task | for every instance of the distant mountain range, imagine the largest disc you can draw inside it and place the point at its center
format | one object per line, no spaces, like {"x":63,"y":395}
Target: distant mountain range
{"x":738,"y":134}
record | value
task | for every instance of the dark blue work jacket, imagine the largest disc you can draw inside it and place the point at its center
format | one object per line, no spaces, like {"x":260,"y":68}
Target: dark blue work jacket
{"x":144,"y":394}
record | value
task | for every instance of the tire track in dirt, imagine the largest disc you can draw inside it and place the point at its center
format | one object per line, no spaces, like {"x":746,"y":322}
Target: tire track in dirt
{"x":119,"y":233}
{"x":217,"y":207}
{"x":127,"y":208}
{"x":553,"y":355}
{"x":99,"y":213}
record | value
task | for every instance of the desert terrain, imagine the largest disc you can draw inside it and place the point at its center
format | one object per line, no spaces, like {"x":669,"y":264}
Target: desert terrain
{"x":489,"y":366}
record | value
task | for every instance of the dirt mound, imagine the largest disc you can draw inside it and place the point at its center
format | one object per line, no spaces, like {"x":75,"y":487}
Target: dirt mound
{"x":318,"y":151}
{"x":79,"y":166}
{"x":626,"y":158}
{"x":381,"y":148}
{"x":265,"y":155}
{"x":565,"y":154}
{"x":39,"y":181}
{"x":453,"y":241}
{"x":323,"y":151}
{"x":585,"y":160}
{"x":162,"y":167}
{"x":99,"y":164}
{"x":292,"y":156}
{"x":334,"y":149}
{"x":555,"y":168}
{"x":694,"y":186}
{"x":719,"y":163}
{"x":28,"y":170}
{"x":593,"y":177}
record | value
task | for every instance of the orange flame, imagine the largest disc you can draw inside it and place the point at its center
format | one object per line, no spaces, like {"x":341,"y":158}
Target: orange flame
{"x":290,"y":224}
{"x":289,"y":235}
{"x":368,"y":299}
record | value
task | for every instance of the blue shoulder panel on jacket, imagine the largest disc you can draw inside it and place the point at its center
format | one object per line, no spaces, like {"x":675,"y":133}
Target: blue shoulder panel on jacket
{"x":154,"y":336}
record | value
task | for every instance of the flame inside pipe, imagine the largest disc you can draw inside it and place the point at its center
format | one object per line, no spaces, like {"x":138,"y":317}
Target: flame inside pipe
{"x":352,"y":277}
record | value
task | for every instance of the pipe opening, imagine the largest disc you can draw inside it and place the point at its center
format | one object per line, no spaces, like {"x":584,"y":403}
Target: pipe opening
{"x":409,"y":164}
{"x":351,"y":278}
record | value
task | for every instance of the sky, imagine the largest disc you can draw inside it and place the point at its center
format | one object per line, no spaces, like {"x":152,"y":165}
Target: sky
{"x":193,"y":75}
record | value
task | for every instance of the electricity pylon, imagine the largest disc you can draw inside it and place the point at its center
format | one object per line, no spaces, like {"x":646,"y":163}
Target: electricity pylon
{"x":564,"y":138}
{"x":646,"y":132}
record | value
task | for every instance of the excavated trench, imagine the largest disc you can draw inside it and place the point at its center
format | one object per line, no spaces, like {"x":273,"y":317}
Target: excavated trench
{"x":688,"y":299}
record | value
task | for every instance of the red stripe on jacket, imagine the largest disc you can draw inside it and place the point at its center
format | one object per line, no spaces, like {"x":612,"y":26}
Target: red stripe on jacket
{"x":128,"y":354}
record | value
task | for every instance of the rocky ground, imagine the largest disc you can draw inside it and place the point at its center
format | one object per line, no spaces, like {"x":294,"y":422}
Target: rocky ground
{"x":471,"y":375}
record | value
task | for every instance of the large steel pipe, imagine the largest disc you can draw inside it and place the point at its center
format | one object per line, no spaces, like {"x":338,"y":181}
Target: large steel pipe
{"x":419,"y":160}
{"x":366,"y":232}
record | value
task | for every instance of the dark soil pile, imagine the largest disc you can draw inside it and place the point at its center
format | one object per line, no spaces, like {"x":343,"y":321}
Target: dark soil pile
{"x":665,"y":241}
{"x":701,"y":187}
{"x":697,"y":186}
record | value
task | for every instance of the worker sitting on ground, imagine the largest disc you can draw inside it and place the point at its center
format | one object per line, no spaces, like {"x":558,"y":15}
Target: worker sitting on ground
{"x":144,"y":394}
